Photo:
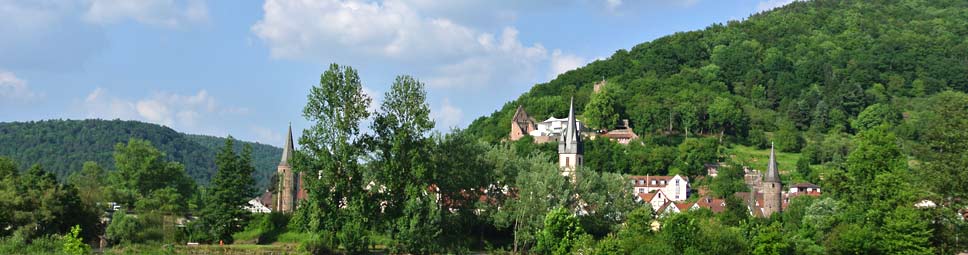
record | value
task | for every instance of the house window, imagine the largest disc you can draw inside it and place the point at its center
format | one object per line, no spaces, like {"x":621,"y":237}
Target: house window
{"x":677,"y":182}
{"x":677,"y":196}
{"x":653,"y":182}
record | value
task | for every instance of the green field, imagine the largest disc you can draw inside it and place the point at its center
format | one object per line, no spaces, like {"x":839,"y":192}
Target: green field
{"x":757,"y":159}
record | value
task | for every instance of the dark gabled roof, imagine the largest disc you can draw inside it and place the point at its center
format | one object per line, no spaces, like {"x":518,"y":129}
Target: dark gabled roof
{"x":522,"y":116}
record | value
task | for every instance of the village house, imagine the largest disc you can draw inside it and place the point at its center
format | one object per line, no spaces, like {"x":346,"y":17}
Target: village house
{"x":804,"y":187}
{"x":622,"y":133}
{"x":656,"y":199}
{"x":676,"y":187}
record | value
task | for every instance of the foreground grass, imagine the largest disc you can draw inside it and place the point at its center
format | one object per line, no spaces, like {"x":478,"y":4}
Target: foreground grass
{"x":206,"y":249}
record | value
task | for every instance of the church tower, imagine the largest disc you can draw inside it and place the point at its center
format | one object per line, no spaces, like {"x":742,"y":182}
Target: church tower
{"x":570,"y":147}
{"x":287,"y":190}
{"x":771,"y":187}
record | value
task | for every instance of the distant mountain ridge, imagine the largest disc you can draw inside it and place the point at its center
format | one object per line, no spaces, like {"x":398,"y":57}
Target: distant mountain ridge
{"x":62,"y":146}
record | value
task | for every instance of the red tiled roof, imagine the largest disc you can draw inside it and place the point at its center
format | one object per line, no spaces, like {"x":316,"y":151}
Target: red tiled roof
{"x":647,"y":197}
{"x":715,"y":205}
{"x":683,"y":206}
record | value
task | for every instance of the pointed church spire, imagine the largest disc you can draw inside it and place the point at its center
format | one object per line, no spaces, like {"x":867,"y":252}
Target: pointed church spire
{"x":772,"y":173}
{"x":288,"y":150}
{"x":570,"y":141}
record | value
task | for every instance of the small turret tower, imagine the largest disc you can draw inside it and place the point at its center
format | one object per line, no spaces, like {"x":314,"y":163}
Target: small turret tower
{"x":570,"y":148}
{"x":772,"y":187}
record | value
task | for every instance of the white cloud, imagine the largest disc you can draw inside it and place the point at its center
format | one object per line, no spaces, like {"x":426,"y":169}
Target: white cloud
{"x":190,"y":112}
{"x":772,"y":4}
{"x":376,"y":99}
{"x":447,"y":115}
{"x":561,"y":63}
{"x":15,"y":89}
{"x":267,"y":135}
{"x":167,"y":13}
{"x":612,"y":4}
{"x":397,"y":32}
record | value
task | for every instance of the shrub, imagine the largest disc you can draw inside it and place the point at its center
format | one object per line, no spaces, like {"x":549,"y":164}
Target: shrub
{"x":73,"y":244}
{"x":317,"y":244}
{"x":122,"y":229}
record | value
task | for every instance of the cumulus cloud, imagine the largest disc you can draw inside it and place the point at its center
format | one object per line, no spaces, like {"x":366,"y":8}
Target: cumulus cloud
{"x":13,"y":89}
{"x":168,"y":13}
{"x":561,"y":63}
{"x":447,"y":115}
{"x":772,"y":4}
{"x":396,"y":32}
{"x":191,"y":112}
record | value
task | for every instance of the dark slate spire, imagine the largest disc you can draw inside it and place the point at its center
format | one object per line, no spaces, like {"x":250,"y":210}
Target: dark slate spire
{"x":288,"y":150}
{"x":570,"y":141}
{"x":772,"y":173}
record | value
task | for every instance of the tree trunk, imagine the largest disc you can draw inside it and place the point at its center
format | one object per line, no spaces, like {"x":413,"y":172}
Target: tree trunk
{"x":515,"y":249}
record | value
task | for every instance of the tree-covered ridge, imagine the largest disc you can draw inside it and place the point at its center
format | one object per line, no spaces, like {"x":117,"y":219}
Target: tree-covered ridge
{"x":812,"y":65}
{"x":62,"y":146}
{"x":265,"y":157}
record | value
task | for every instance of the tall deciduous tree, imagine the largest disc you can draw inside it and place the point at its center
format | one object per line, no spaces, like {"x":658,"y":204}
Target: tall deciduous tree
{"x":331,"y":150}
{"x":401,"y":145}
{"x":142,"y":169}
{"x":89,"y":183}
{"x":600,"y":112}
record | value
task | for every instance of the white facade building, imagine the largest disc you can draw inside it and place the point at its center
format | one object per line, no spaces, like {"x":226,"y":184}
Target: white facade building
{"x":676,"y":188}
{"x":553,"y":127}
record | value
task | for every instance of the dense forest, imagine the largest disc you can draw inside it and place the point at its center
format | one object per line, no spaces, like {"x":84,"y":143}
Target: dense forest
{"x":810,"y":66}
{"x":62,"y":146}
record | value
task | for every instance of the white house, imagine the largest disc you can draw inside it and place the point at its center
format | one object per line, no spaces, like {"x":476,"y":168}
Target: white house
{"x":804,"y":187}
{"x":256,"y":206}
{"x":675,"y":187}
{"x":553,"y":127}
{"x":656,"y":199}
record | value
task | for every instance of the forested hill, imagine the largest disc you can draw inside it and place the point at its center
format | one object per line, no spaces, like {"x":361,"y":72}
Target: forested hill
{"x":62,"y":146}
{"x":812,"y":65}
{"x":265,"y":157}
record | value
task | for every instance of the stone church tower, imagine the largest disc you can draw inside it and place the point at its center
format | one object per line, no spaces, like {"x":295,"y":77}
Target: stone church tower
{"x":771,"y":187}
{"x":570,"y":148}
{"x":288,"y":188}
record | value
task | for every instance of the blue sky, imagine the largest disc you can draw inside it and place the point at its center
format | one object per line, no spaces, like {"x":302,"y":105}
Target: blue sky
{"x":244,"y":67}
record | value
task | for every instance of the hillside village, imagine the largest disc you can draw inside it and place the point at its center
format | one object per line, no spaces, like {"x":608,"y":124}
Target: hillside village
{"x":665,"y":194}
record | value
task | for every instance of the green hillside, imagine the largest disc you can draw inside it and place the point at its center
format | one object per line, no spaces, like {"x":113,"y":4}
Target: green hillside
{"x":265,"y":157}
{"x":812,"y":66}
{"x":62,"y":146}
